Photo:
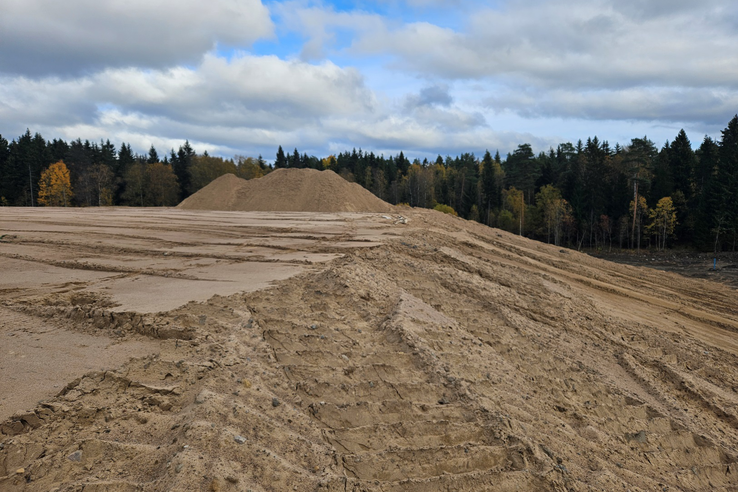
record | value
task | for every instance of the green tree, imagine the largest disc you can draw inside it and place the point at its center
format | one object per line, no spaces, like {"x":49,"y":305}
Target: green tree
{"x":682,"y":163}
{"x":28,"y":157}
{"x":205,"y":169}
{"x":552,"y":209}
{"x":135,"y":184}
{"x":281,"y":160}
{"x":639,"y":157}
{"x":181,"y":166}
{"x":522,"y":170}
{"x":727,"y":177}
{"x":248,"y":168}
{"x":710,"y":219}
{"x":162,"y":189}
{"x":153,"y":155}
{"x":492,"y":182}
{"x":515,"y":203}
{"x":4,"y":168}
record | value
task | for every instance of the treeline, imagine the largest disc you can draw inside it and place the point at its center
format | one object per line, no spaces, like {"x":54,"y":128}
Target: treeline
{"x":584,"y":195}
{"x":93,"y":174}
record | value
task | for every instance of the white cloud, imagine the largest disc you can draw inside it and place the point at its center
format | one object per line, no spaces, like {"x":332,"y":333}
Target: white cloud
{"x":247,"y":99}
{"x":319,"y":24}
{"x":570,"y":44}
{"x":667,"y":105}
{"x":41,"y":37}
{"x":145,"y":72}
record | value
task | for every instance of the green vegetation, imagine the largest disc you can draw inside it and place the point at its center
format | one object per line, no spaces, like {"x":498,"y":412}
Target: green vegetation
{"x":584,"y":195}
{"x":445,"y":209}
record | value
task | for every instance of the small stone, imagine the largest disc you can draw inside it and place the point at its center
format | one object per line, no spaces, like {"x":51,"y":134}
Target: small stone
{"x":313,"y":327}
{"x":20,"y":471}
{"x":178,"y":468}
{"x":275,"y":402}
{"x":232,"y":479}
{"x":638,"y":436}
{"x":239,"y":439}
{"x":76,"y":456}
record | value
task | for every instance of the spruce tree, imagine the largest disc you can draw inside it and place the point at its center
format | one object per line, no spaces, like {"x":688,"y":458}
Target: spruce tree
{"x":728,"y":178}
{"x":281,"y":160}
{"x":153,"y":155}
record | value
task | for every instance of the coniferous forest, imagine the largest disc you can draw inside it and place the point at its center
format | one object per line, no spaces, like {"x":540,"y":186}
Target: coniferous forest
{"x":583,"y":195}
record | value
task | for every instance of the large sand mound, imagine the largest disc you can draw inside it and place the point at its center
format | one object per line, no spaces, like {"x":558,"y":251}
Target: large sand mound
{"x":450,"y":356}
{"x":286,"y":190}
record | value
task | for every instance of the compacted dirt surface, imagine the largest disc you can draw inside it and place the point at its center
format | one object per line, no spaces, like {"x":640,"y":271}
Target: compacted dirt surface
{"x":718,"y":267}
{"x":352,"y":352}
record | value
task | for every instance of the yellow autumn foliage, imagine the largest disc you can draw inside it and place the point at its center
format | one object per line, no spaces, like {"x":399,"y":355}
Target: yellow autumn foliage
{"x":54,"y":187}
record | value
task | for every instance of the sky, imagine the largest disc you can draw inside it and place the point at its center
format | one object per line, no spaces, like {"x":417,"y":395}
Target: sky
{"x":428,"y":77}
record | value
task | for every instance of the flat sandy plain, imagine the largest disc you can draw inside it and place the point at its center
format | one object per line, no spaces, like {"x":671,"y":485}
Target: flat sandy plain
{"x":164,"y":349}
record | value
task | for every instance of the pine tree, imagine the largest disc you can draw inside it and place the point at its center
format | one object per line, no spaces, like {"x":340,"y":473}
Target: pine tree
{"x":153,"y":155}
{"x":491,"y":185}
{"x":522,"y":170}
{"x":4,"y":168}
{"x":281,"y":160}
{"x":728,"y":177}
{"x":682,"y":162}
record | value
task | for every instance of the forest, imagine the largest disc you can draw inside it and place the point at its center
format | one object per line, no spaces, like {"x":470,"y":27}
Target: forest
{"x":583,"y":195}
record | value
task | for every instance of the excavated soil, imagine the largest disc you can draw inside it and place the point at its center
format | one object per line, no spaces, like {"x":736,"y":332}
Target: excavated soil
{"x":286,"y":190}
{"x":423,"y":353}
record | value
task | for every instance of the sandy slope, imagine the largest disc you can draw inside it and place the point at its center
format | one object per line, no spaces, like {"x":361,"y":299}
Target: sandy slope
{"x":443,"y":356}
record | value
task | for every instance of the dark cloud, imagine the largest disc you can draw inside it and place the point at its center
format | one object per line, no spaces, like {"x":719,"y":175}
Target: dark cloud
{"x":45,"y":37}
{"x":436,"y":94}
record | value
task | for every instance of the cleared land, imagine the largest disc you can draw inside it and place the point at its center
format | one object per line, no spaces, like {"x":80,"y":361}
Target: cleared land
{"x":317,"y":351}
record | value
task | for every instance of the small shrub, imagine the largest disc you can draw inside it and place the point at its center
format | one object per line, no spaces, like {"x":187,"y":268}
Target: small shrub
{"x":445,"y":209}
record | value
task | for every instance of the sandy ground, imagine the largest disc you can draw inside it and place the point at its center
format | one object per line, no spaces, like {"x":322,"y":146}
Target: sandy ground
{"x":305,"y":351}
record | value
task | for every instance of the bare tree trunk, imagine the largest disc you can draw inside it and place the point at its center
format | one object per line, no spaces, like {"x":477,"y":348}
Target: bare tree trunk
{"x":635,"y":212}
{"x":30,"y":183}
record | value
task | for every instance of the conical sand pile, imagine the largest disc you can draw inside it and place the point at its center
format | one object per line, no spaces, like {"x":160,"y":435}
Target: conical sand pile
{"x":286,"y":190}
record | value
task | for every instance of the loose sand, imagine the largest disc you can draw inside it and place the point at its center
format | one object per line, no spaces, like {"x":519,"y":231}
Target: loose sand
{"x":427,"y":356}
{"x":286,"y":190}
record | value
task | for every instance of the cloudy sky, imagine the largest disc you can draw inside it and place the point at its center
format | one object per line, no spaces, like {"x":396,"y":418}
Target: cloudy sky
{"x":424,"y":76}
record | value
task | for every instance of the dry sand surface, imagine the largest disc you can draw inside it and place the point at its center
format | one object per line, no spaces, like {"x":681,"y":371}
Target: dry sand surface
{"x":351,"y":352}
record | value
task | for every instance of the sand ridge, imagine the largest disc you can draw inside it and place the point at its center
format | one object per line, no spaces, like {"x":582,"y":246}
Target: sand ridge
{"x":445,"y":356}
{"x":286,"y":190}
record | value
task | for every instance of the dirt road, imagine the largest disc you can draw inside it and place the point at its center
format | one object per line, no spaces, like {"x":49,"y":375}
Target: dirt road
{"x":366,"y":354}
